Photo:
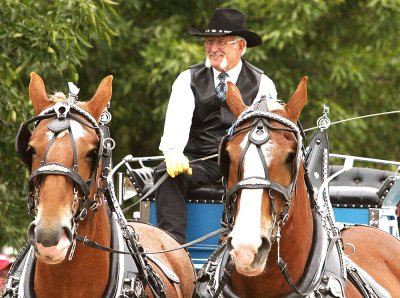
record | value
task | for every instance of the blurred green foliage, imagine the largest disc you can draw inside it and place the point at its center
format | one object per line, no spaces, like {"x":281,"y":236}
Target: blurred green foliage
{"x":348,"y":49}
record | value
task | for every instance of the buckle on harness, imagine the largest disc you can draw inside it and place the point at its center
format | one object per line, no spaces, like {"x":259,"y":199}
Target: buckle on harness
{"x":11,"y":287}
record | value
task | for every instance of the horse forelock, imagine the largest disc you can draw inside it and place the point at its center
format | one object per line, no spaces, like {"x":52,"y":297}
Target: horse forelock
{"x":57,"y":97}
{"x":273,"y":105}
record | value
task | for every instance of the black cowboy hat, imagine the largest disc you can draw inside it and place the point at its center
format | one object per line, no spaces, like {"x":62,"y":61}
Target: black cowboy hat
{"x":229,"y":22}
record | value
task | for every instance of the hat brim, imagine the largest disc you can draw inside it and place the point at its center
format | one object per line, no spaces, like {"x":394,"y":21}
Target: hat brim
{"x":252,"y":38}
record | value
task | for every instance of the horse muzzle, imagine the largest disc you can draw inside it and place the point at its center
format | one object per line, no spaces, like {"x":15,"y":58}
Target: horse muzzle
{"x":50,"y":244}
{"x":249,"y":259}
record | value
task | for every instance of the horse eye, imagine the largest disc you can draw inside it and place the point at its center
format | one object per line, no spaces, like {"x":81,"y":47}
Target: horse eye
{"x":290,"y":157}
{"x":31,"y":150}
{"x":92,"y":154}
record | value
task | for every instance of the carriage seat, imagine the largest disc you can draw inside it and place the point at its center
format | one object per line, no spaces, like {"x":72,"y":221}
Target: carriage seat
{"x":143,"y":181}
{"x":357,"y":187}
{"x":206,"y":193}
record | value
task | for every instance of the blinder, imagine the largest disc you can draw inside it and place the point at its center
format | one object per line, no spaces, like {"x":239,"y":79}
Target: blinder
{"x":23,"y":136}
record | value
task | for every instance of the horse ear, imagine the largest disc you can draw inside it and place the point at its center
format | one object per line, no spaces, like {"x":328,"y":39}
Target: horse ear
{"x":101,"y":98}
{"x":297,"y":101}
{"x":37,"y":93}
{"x":234,"y":100}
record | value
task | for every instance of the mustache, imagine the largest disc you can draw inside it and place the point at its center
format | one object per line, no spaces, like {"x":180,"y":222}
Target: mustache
{"x":223,"y":63}
{"x":208,"y":62}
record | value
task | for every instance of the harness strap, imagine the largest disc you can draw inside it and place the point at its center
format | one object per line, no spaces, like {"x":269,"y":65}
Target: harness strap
{"x":74,"y":152}
{"x":364,"y":282}
{"x":93,"y":244}
{"x":43,"y":161}
{"x":59,"y":169}
{"x":282,"y":265}
{"x":225,"y":276}
{"x":242,"y":155}
{"x":167,"y":271}
{"x":264,"y":163}
{"x":258,"y":182}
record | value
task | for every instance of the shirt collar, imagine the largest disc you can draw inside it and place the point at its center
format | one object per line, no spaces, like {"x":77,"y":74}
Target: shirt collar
{"x":233,"y":73}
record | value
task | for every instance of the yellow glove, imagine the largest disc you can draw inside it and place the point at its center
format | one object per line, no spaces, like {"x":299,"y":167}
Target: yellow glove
{"x":177,"y":163}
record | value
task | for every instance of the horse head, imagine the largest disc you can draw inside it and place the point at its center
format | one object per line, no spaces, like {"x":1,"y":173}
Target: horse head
{"x":63,"y":154}
{"x":260,"y":156}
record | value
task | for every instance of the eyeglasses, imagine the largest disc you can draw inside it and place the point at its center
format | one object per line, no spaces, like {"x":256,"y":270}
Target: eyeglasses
{"x":219,"y":42}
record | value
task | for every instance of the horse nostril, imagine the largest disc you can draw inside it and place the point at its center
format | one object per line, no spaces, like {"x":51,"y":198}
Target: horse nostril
{"x":48,"y":237}
{"x":68,"y":233}
{"x":265,"y":244}
{"x":31,"y":232}
{"x":229,"y":246}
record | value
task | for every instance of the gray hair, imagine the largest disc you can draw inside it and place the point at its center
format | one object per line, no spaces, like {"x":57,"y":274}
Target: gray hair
{"x":245,"y":43}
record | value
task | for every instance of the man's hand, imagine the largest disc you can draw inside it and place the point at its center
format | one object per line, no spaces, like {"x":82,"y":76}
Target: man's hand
{"x":177,"y":163}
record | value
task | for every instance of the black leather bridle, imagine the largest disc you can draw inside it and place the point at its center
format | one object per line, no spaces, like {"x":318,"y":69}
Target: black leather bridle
{"x":260,"y":124}
{"x":61,"y":114}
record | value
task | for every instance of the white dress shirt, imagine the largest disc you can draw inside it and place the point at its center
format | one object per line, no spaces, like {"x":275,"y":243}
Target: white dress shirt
{"x":178,"y":119}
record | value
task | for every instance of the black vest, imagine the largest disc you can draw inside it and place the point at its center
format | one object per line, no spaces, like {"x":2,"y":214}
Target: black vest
{"x":211,"y":117}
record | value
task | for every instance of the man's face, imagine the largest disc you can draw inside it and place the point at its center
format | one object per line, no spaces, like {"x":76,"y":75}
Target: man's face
{"x":223,"y":53}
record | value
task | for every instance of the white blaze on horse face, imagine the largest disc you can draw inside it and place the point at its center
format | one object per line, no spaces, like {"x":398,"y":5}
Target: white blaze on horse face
{"x":77,"y":130}
{"x":248,"y":232}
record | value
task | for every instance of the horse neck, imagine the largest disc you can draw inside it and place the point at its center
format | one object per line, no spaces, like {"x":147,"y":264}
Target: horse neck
{"x":296,"y":236}
{"x":298,"y":230}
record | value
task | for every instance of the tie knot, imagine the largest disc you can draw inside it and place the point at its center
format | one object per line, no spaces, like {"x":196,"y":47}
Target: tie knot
{"x":222,"y":76}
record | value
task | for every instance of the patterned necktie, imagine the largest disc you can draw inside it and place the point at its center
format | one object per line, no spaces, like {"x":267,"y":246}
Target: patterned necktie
{"x":221,"y":87}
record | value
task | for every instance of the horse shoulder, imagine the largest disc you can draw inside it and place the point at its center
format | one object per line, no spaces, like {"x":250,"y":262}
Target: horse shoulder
{"x":154,"y":239}
{"x":377,"y":252}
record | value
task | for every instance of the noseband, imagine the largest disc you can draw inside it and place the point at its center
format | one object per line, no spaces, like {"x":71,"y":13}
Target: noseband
{"x":62,"y":113}
{"x":259,"y":117}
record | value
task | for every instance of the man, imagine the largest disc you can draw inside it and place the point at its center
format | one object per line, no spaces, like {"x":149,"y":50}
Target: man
{"x":198,"y":116}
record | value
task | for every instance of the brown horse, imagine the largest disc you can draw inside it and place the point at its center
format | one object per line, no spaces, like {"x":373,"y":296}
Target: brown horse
{"x":59,"y":145}
{"x":272,"y":215}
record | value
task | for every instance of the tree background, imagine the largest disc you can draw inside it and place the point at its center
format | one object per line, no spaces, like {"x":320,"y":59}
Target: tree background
{"x":348,"y":49}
